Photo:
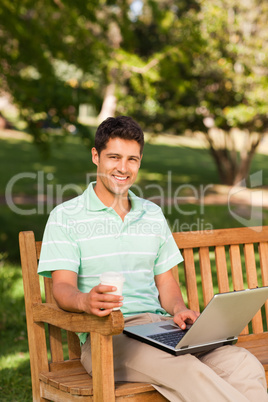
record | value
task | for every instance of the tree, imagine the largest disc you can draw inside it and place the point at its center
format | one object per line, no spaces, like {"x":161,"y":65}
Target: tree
{"x":205,"y":70}
{"x":174,"y":65}
{"x":53,"y":59}
{"x":235,"y":88}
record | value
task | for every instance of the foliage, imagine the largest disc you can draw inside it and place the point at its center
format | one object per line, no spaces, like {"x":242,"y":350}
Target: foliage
{"x":195,"y":65}
{"x":208,"y":71}
{"x":48,"y":61}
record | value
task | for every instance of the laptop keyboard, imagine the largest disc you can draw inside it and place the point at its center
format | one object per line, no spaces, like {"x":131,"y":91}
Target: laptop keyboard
{"x":169,"y":338}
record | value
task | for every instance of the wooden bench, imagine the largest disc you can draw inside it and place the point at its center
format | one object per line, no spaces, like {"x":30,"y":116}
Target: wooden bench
{"x":214,"y":261}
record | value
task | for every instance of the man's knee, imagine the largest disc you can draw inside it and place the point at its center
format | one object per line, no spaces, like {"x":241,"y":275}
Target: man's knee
{"x":229,"y":359}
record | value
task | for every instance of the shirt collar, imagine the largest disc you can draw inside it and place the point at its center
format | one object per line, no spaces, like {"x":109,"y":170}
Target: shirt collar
{"x":93,"y":203}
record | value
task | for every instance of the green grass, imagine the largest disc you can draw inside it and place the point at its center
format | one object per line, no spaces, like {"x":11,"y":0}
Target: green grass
{"x":164,"y":170}
{"x":70,"y":162}
{"x":15,"y":381}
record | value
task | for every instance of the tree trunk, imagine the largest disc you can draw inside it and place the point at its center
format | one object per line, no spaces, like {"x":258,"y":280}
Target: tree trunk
{"x":246,"y":157}
{"x":109,"y":103}
{"x":233,"y":165}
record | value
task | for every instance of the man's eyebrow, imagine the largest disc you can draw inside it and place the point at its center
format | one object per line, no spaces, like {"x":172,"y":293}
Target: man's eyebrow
{"x":116,"y":154}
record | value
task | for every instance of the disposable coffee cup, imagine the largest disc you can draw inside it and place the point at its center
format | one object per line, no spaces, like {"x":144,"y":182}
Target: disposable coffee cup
{"x":113,"y":279}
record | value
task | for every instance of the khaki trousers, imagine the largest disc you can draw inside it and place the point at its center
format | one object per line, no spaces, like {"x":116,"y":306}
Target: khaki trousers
{"x":228,"y":373}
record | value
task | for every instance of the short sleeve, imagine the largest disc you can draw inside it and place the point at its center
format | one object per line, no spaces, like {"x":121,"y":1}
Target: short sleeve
{"x":168,"y":254}
{"x":59,"y":250}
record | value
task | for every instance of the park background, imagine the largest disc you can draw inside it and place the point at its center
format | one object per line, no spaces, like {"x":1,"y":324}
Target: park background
{"x":193,"y":73}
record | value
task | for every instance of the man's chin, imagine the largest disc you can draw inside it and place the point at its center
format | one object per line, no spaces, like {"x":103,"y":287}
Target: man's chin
{"x":121,"y":191}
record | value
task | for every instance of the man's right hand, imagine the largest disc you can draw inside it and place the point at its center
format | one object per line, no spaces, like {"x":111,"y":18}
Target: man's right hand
{"x":69,"y":298}
{"x":98,"y":302}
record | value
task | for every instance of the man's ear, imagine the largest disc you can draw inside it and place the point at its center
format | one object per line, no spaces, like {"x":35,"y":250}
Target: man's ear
{"x":95,"y":156}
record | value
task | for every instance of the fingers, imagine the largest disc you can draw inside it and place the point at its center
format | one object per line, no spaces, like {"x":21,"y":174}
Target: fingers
{"x":107,"y":304}
{"x":185,"y":317}
{"x":101,"y":303}
{"x":105,"y":288}
{"x":180,"y":322}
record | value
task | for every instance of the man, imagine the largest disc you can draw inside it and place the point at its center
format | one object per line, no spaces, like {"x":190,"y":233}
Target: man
{"x":108,"y":228}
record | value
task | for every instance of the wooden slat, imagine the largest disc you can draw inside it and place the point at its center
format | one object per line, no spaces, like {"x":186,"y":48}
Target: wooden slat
{"x":55,"y":338}
{"x":263,"y":252}
{"x":124,"y":389}
{"x":112,"y":324}
{"x":50,"y":393}
{"x":175,"y":272}
{"x":32,"y":294}
{"x":221,"y":237}
{"x":221,"y":266}
{"x":38,"y":245}
{"x":190,"y":278}
{"x":252,"y":283}
{"x":149,"y":396}
{"x":66,"y":365}
{"x":250,"y":266}
{"x":74,"y":349}
{"x":205,"y":269}
{"x":76,"y":384}
{"x":53,"y":377}
{"x":81,"y":382}
{"x":57,"y":395}
{"x":102,"y":367}
{"x":236,"y":268}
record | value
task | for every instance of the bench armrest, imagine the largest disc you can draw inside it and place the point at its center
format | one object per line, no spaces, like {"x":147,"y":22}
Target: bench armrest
{"x":113,"y":324}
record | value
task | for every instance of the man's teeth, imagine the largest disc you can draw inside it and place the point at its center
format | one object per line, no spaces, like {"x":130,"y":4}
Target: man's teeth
{"x":120,"y":177}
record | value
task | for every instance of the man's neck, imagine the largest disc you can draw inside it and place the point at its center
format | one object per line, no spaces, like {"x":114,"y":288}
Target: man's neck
{"x":119,"y":202}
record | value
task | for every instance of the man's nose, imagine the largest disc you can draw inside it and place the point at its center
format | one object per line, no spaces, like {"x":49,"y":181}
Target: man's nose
{"x":122,"y":166}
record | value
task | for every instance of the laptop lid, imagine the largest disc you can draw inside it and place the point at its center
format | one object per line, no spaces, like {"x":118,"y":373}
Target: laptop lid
{"x":225,"y":316}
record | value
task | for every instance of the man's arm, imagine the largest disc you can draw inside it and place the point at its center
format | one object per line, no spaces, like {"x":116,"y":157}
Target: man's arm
{"x":171,"y":299}
{"x":69,"y":298}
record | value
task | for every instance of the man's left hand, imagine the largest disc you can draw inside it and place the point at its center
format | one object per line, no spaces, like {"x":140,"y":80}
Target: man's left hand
{"x":184,"y":317}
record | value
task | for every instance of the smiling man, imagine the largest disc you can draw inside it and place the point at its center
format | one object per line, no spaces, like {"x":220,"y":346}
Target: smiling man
{"x":117,"y":168}
{"x":108,"y":228}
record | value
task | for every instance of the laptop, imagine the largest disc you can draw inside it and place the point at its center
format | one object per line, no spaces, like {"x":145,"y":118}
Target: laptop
{"x":220,"y":323}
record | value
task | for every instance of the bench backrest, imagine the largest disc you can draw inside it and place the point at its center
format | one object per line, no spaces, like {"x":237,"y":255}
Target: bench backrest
{"x":61,"y":345}
{"x":56,"y":335}
{"x":214,"y":261}
{"x":223,"y":260}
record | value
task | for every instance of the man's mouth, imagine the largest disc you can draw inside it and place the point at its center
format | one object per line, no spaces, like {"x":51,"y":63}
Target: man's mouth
{"x":120,"y":178}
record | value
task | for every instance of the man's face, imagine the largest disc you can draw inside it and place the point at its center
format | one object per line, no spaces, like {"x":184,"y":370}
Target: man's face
{"x":117,"y":166}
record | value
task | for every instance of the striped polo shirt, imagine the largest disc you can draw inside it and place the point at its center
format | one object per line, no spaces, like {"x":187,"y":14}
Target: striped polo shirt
{"x":85,"y":236}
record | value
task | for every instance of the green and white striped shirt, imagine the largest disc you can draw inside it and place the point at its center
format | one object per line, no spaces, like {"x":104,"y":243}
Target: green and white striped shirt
{"x":85,"y":236}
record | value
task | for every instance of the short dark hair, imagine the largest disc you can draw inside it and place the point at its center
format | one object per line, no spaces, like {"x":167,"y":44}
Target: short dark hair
{"x":122,"y":127}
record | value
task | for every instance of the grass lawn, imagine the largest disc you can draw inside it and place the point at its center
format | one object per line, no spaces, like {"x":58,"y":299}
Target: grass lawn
{"x":15,"y":382}
{"x":164,"y":170}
